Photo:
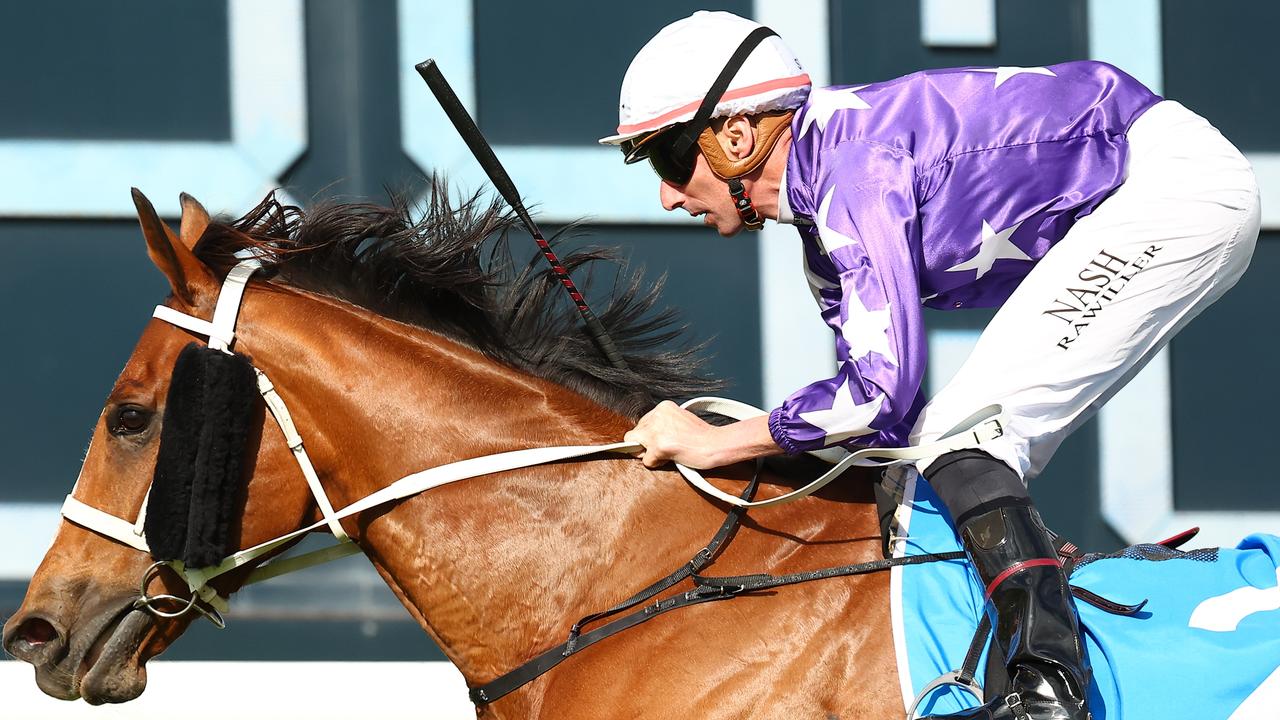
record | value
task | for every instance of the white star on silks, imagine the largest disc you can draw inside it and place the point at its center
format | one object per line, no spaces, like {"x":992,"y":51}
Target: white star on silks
{"x":995,"y":246}
{"x":823,"y":103}
{"x":867,"y":331}
{"x":829,"y":239}
{"x":1005,"y":72}
{"x":846,"y":418}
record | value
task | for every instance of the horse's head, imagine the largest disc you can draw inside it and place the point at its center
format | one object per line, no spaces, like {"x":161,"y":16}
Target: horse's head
{"x":435,"y":304}
{"x":79,"y":624}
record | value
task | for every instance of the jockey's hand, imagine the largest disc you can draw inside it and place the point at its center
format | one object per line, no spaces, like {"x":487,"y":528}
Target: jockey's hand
{"x":671,"y":433}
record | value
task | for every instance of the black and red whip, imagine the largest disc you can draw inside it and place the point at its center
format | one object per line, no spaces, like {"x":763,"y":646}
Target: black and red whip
{"x":483,"y":153}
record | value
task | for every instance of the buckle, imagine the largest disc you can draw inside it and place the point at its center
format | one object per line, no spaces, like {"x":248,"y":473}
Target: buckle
{"x":714,"y":591}
{"x":1014,"y":701}
{"x":700,"y":560}
{"x":990,"y":428}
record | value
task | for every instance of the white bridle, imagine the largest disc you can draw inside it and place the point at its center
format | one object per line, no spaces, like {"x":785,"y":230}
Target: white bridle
{"x":983,"y":426}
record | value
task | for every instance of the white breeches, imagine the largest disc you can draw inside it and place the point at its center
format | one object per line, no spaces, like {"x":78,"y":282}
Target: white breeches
{"x":1126,"y":278}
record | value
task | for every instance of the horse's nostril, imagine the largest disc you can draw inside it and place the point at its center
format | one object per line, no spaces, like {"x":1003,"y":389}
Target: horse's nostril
{"x":36,"y":640}
{"x":36,"y":632}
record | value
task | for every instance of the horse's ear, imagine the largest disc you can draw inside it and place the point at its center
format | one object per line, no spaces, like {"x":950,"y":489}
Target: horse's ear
{"x":194,"y":221}
{"x":188,"y":277}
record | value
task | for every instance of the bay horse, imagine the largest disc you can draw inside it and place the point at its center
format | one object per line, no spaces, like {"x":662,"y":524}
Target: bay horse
{"x":406,"y":339}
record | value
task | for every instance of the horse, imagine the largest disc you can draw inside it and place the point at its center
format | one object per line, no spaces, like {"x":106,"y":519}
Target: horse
{"x":405,"y":338}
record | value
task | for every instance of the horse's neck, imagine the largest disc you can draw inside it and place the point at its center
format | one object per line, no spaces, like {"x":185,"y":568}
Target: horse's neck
{"x":493,"y":567}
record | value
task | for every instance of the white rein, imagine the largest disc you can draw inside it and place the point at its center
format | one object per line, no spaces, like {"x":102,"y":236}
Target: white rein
{"x":983,"y":426}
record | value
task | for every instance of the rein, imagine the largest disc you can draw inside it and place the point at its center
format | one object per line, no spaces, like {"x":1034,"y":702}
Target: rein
{"x":706,"y":589}
{"x":983,"y":426}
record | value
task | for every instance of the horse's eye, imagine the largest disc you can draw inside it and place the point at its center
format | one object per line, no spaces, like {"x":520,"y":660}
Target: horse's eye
{"x":130,"y":420}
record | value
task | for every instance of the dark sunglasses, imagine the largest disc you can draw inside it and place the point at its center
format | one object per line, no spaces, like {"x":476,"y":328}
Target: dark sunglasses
{"x":673,"y":151}
{"x":675,"y":165}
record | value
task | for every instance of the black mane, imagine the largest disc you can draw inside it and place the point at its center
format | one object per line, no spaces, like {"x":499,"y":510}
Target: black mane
{"x":451,"y":271}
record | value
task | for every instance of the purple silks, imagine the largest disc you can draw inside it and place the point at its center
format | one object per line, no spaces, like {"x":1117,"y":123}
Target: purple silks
{"x":941,"y":188}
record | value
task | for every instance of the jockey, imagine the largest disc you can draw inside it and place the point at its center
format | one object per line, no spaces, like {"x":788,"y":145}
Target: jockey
{"x":1097,"y":216}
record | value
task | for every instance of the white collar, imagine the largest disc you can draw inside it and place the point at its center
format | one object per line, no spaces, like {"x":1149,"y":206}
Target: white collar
{"x":785,"y":216}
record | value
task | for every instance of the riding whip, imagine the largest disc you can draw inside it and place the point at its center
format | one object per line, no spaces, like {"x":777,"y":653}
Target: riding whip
{"x":483,"y":153}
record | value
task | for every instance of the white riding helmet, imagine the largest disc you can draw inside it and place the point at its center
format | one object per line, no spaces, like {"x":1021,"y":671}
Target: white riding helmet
{"x":669,"y":77}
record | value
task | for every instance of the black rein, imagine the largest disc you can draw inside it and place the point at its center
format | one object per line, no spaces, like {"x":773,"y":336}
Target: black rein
{"x":706,"y":589}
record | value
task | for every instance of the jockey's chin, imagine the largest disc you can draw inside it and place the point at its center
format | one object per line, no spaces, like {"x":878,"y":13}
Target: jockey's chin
{"x":726,"y":227}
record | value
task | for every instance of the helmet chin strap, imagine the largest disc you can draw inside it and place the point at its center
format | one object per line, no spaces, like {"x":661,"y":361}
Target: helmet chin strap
{"x":742,"y":203}
{"x":769,"y":129}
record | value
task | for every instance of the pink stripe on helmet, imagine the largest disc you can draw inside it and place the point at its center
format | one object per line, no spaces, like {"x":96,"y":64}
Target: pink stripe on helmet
{"x":669,"y":117}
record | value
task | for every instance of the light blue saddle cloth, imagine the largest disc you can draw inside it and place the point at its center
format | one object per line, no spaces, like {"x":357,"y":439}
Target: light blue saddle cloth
{"x":1206,"y":646}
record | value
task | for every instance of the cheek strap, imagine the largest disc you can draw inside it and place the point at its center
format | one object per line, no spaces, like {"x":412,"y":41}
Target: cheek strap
{"x":742,"y":203}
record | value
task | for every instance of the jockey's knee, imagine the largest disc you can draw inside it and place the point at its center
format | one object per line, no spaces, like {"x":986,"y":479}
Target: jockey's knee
{"x":970,"y":482}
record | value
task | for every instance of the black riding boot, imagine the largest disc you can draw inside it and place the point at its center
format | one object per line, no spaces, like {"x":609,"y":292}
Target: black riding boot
{"x":1037,"y":633}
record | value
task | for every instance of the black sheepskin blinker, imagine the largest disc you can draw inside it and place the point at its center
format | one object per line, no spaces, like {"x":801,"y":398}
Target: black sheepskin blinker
{"x":197,"y":483}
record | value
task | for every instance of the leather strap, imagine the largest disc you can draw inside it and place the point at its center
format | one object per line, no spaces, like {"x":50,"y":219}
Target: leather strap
{"x":1106,"y":605}
{"x":548,"y":659}
{"x":984,"y":426}
{"x":284,"y":419}
{"x":1182,"y":538}
{"x":227,"y":310}
{"x":699,"y":561}
{"x":221,"y":331}
{"x":753,"y":583}
{"x":693,"y":128}
{"x":103,"y":523}
{"x":1017,"y":568}
{"x":187,"y":322}
{"x":517,"y":459}
{"x":968,"y":672}
{"x":576,"y":641}
{"x":706,"y":589}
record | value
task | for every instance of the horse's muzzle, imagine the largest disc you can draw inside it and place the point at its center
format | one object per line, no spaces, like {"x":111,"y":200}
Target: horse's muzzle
{"x":94,"y":657}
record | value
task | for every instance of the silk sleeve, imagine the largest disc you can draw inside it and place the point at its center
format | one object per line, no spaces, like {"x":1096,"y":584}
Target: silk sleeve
{"x":866,"y":224}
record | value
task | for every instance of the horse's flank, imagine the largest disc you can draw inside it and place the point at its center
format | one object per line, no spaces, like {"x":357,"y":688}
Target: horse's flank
{"x":497,"y":569}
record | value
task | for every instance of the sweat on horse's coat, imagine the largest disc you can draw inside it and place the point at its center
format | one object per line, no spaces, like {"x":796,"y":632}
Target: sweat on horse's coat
{"x":200,"y":465}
